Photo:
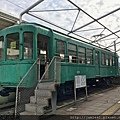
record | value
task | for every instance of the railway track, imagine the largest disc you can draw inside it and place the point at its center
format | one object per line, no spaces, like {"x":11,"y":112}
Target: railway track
{"x":7,"y":109}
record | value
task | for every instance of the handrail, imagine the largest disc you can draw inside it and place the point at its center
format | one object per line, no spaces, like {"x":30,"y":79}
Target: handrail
{"x":45,"y":71}
{"x":51,"y":64}
{"x":21,"y":82}
{"x":53,"y":61}
{"x":47,"y":68}
{"x":27,"y":72}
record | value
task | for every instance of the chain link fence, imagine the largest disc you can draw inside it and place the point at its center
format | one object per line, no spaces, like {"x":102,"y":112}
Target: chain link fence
{"x":25,"y":88}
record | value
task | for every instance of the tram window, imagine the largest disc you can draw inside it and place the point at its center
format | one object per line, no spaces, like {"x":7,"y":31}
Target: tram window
{"x":97,"y":57}
{"x":103,"y":59}
{"x":28,"y":45}
{"x":113,"y":61}
{"x":72,"y":53}
{"x":13,"y":46}
{"x":1,"y":46}
{"x":116,"y":61}
{"x":61,"y":49}
{"x":89,"y":56}
{"x":42,"y":48}
{"x":110,"y":60}
{"x":107,"y":60}
{"x":81,"y":55}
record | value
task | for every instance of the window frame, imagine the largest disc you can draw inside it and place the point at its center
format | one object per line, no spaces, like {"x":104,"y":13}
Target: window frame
{"x":103,"y":58}
{"x":113,"y":60}
{"x":69,"y":55}
{"x":44,"y":57}
{"x":62,"y":55}
{"x":80,"y":54}
{"x":6,"y":42}
{"x":2,"y":52}
{"x":107,"y":59}
{"x":110,"y":60}
{"x":97,"y":57}
{"x":88,"y":56}
{"x":23,"y":55}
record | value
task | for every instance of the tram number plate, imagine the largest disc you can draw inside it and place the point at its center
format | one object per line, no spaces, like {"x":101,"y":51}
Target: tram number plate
{"x":80,"y":81}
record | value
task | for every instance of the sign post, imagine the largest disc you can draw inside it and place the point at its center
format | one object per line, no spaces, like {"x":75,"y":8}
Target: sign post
{"x":80,"y":81}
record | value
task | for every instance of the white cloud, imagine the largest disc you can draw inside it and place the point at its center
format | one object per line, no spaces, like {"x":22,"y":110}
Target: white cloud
{"x":95,"y":8}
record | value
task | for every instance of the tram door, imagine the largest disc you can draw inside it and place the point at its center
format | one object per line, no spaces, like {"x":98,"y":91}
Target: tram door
{"x":42,"y":51}
{"x":97,"y":63}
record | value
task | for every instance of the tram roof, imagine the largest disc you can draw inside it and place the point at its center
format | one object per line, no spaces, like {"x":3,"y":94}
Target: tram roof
{"x":38,"y":26}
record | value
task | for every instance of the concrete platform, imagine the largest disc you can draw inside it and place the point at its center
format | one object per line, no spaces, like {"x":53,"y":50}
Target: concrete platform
{"x":106,"y":103}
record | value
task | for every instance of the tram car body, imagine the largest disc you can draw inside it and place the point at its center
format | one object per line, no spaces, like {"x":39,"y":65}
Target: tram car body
{"x":20,"y":46}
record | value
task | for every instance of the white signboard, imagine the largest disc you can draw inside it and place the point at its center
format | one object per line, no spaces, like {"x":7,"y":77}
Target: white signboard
{"x":80,"y":81}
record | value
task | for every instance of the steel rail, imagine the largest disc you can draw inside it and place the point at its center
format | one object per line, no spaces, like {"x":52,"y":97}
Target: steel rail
{"x":52,"y":10}
{"x":29,"y":8}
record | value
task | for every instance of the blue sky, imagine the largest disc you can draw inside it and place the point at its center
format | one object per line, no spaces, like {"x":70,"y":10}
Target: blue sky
{"x":95,"y":8}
